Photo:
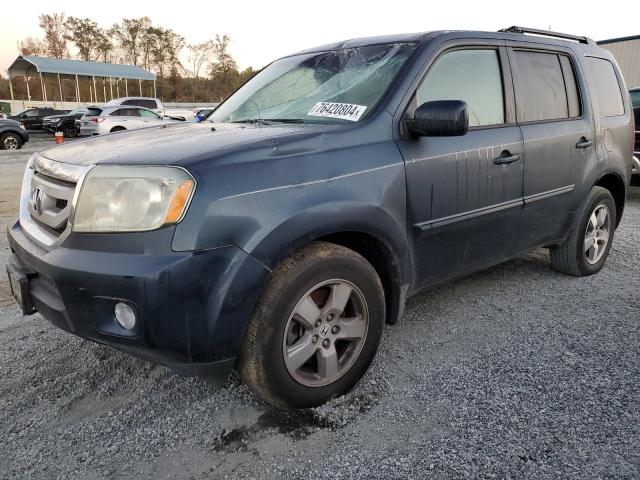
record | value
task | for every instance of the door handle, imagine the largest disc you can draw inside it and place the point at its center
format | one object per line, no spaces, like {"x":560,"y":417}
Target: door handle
{"x":506,"y":158}
{"x":584,"y":143}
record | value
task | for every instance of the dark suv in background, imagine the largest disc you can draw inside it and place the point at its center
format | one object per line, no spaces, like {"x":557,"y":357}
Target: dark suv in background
{"x":32,"y":118}
{"x":65,"y":122}
{"x":280,"y":234}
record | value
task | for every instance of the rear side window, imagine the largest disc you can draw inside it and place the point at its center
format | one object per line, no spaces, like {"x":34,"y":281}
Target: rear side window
{"x":473,"y":76}
{"x":604,"y":81}
{"x":540,"y":87}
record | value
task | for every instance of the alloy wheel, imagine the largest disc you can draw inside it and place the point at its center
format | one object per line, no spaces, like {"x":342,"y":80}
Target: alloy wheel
{"x":10,"y":143}
{"x":325,"y":333}
{"x":597,"y":233}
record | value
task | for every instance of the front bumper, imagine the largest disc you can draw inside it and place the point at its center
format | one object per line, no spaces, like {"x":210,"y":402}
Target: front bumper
{"x":51,"y":128}
{"x":191,"y":307}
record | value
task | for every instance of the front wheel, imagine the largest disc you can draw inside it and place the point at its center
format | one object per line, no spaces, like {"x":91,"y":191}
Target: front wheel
{"x":316,"y":328}
{"x":69,"y":131}
{"x":588,"y":245}
{"x":10,"y":141}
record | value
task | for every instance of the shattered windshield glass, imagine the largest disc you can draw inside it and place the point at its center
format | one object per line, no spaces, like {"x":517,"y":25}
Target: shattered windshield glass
{"x":337,"y":86}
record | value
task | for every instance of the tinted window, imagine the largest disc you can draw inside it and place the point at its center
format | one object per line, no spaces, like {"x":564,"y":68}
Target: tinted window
{"x":141,"y":103}
{"x":604,"y":82}
{"x":635,"y":98}
{"x":93,"y":112}
{"x":469,"y":75}
{"x":147,"y":114}
{"x":540,"y":88}
{"x":125,"y":112}
{"x":31,"y":113}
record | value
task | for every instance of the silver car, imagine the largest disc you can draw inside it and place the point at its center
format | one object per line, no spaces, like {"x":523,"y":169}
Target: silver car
{"x":103,"y":120}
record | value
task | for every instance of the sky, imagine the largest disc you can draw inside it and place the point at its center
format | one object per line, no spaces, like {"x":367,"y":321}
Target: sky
{"x":261,"y":31}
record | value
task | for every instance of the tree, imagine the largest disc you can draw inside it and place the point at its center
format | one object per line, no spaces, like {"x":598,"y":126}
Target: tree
{"x":91,"y":41}
{"x":54,"y":34}
{"x":32,"y":46}
{"x":128,"y":36}
{"x":224,"y":62}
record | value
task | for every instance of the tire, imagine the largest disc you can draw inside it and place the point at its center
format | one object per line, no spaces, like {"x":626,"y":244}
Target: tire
{"x":573,"y":257}
{"x":69,"y":131}
{"x":10,"y":141}
{"x":117,"y":129}
{"x":318,"y":272}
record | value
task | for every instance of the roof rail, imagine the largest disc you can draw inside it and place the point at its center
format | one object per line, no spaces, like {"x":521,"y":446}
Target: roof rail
{"x":548,"y":33}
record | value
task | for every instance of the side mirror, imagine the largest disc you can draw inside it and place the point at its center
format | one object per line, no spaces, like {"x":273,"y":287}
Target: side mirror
{"x":440,"y":118}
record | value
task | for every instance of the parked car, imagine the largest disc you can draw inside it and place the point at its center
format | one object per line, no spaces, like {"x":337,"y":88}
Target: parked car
{"x":12,"y":135}
{"x":32,"y":118}
{"x":100,"y":121}
{"x":146,"y":102}
{"x":65,"y":123}
{"x":282,"y":234}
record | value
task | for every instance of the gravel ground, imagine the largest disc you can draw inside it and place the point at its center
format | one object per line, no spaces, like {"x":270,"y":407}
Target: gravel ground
{"x":513,"y":372}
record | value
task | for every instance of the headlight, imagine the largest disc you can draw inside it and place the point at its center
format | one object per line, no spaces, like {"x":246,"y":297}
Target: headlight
{"x":132,"y":198}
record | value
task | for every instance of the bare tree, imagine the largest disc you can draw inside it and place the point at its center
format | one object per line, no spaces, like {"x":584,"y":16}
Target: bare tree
{"x":54,"y":34}
{"x":32,"y":46}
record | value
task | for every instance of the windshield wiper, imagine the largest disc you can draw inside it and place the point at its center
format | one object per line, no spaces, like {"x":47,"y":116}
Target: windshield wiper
{"x":270,"y":121}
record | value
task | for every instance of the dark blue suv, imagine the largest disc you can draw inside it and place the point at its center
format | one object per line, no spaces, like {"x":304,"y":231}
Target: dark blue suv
{"x":281,"y":233}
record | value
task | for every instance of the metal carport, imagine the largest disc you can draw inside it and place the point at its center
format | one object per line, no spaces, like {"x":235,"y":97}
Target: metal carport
{"x":32,"y":66}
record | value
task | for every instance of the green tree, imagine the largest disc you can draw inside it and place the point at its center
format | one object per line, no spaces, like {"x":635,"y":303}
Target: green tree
{"x":128,"y":35}
{"x":90,"y":40}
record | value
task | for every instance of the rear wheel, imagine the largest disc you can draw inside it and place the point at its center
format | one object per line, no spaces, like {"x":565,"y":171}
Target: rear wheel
{"x":587,"y":248}
{"x":10,"y":141}
{"x":117,"y":129}
{"x":316,"y":328}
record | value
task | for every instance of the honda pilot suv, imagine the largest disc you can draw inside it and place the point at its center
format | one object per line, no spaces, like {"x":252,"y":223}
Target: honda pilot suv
{"x":280,"y":234}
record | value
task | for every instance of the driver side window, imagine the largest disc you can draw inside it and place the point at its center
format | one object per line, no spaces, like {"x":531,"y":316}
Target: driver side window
{"x":472,"y":76}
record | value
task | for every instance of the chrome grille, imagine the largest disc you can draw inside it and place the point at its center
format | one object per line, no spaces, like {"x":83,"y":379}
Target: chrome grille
{"x":49,"y":189}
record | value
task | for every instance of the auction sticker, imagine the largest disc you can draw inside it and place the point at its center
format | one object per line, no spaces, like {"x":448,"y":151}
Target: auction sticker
{"x":344,"y":111}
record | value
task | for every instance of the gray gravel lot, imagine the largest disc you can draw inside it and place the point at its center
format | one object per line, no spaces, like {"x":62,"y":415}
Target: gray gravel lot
{"x":515,"y":372}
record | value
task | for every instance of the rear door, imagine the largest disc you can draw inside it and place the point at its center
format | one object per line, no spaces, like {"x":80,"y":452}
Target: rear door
{"x":464,"y":203}
{"x":127,"y":117}
{"x":559,"y":138}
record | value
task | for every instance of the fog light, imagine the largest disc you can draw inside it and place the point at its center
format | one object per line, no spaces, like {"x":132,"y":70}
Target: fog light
{"x":125,"y":316}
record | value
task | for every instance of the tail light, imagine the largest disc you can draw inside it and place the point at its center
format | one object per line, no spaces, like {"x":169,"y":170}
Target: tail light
{"x":97,"y":119}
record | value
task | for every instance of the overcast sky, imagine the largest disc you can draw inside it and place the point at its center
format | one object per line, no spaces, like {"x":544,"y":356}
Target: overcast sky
{"x":263,"y":30}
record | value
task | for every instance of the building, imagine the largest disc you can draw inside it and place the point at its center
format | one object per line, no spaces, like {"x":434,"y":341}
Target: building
{"x":104,"y":78}
{"x":626,"y":51}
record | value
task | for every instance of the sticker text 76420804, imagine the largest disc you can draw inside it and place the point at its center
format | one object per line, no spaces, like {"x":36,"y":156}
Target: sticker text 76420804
{"x":345,"y":111}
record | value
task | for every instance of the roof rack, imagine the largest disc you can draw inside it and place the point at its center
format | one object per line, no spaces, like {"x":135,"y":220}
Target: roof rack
{"x":548,"y":33}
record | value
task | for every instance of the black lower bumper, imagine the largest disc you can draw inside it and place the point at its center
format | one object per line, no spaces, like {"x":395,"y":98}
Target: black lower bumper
{"x":191,"y":307}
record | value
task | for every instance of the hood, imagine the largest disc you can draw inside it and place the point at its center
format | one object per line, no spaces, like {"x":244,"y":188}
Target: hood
{"x":53,"y":117}
{"x":8,"y":121}
{"x":181,"y":143}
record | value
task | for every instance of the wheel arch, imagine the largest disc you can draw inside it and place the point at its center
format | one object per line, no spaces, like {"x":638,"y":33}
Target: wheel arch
{"x":380,"y":240}
{"x":614,"y":182}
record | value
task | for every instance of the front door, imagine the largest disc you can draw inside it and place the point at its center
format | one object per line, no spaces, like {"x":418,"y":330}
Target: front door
{"x":464,"y":194}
